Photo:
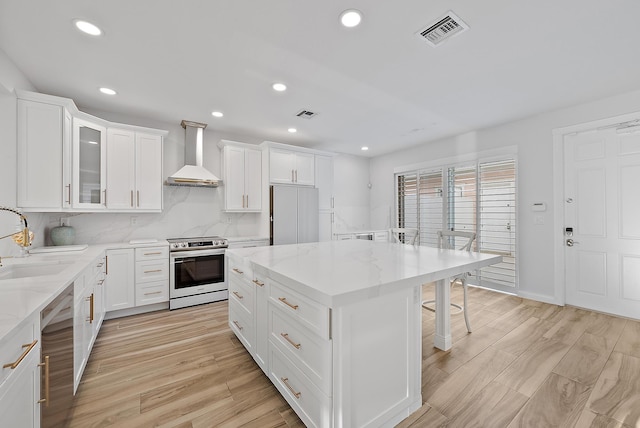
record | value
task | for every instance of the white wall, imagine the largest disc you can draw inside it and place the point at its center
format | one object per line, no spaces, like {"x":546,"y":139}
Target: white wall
{"x":534,"y":141}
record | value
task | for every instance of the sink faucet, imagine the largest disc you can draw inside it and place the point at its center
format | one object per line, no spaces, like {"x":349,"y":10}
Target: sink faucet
{"x":22,"y":238}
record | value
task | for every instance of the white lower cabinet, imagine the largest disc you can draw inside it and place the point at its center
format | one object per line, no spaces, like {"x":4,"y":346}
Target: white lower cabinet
{"x":20,"y":382}
{"x":19,"y":395}
{"x":120,"y":290}
{"x":152,"y":275}
{"x":356,"y":364}
{"x":137,"y":277}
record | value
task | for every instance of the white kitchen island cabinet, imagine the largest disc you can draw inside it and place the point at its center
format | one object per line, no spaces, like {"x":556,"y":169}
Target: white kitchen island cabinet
{"x":343,"y":321}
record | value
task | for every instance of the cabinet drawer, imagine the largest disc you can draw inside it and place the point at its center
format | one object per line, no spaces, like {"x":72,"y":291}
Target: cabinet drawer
{"x":239,"y":269}
{"x":309,"y":353}
{"x":152,"y":270}
{"x":308,"y":313}
{"x":242,"y":325}
{"x":152,"y":253}
{"x":17,"y":346}
{"x":313,"y":407}
{"x":152,"y":292}
{"x":243,"y":294}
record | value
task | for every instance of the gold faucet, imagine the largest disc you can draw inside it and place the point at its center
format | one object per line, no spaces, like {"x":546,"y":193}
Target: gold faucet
{"x":24,"y":238}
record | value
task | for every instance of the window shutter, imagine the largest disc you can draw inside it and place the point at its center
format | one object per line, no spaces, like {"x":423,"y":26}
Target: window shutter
{"x":497,"y":233}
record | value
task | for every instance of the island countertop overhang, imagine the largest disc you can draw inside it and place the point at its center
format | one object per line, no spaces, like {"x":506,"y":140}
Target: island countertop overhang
{"x":338,"y":273}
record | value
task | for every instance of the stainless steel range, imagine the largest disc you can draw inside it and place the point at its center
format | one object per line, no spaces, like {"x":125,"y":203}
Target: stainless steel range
{"x":196,"y":271}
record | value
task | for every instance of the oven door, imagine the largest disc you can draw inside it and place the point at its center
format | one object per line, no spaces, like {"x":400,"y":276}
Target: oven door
{"x":195,"y":272}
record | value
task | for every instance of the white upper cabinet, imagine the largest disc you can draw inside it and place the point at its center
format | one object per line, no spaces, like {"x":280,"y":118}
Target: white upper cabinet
{"x":324,"y":181}
{"x":134,"y":170}
{"x":148,"y":171}
{"x":70,"y":161}
{"x":89,"y":165}
{"x":43,"y":163}
{"x":291,"y":167}
{"x":242,"y":177}
{"x":121,"y":169}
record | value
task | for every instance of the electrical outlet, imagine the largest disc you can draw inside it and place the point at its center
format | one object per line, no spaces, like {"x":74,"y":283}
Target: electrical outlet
{"x":134,"y":220}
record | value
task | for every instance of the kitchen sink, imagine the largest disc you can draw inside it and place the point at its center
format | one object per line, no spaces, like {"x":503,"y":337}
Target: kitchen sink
{"x":28,"y":270}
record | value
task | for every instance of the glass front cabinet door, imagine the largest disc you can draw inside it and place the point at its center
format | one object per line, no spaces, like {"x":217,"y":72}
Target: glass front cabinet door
{"x":89,"y":161}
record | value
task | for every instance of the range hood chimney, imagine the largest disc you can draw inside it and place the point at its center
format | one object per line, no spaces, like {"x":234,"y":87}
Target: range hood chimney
{"x":193,"y":173}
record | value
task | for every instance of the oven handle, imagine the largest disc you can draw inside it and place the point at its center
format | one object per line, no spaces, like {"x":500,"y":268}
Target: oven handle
{"x":177,"y":255}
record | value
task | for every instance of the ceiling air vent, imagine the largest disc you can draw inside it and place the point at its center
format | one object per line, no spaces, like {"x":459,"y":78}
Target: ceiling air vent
{"x":306,"y":114}
{"x":445,"y":28}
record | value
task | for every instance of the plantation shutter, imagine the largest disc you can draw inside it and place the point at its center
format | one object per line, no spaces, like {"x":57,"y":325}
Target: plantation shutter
{"x":497,"y":235}
{"x":431,"y":204}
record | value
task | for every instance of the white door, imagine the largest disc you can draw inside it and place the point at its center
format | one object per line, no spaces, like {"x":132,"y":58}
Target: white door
{"x":602,"y":215}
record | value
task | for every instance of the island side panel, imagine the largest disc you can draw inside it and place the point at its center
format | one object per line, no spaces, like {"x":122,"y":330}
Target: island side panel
{"x":377,"y":358}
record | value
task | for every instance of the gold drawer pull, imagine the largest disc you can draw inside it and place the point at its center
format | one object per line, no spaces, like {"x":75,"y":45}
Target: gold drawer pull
{"x":258,"y":283}
{"x":284,"y":300}
{"x":238,"y":271}
{"x":151,"y":294}
{"x":157,"y":253}
{"x":285,"y":380}
{"x":153,"y":271}
{"x":238,"y":295}
{"x":45,"y":400}
{"x":29,"y":347}
{"x":286,"y":336}
{"x":238,"y":325}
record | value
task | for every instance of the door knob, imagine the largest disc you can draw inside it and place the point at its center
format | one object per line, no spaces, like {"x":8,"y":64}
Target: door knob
{"x":571,"y":242}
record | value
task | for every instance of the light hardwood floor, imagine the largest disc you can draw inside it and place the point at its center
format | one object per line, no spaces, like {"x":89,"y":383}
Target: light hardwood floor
{"x":526,"y":364}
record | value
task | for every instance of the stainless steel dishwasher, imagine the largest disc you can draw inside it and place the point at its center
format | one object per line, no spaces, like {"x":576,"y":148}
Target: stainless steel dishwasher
{"x":56,"y":385}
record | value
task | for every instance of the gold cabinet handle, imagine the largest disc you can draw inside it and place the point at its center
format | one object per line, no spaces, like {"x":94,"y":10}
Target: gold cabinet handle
{"x":157,"y":253}
{"x":68,"y":186}
{"x":238,"y":295}
{"x":285,"y":380}
{"x":153,"y":271}
{"x":105,"y":196}
{"x":258,"y":283}
{"x":90,"y":300}
{"x":288,"y":339}
{"x":151,"y":294}
{"x":247,"y":201}
{"x":238,"y":325}
{"x":284,"y":300}
{"x":45,"y":400}
{"x":238,"y":271}
{"x":132,"y":199}
{"x":138,"y":198}
{"x":29,"y":347}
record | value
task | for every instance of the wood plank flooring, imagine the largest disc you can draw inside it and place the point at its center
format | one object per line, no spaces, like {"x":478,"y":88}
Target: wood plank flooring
{"x":526,"y":364}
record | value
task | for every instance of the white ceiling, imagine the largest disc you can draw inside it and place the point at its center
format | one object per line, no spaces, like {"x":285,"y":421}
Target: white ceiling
{"x":377,"y":85}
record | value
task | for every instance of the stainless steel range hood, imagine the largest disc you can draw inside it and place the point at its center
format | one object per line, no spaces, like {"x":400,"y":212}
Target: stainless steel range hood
{"x":193,"y":173}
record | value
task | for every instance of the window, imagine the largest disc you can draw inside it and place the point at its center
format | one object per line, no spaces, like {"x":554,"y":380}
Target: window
{"x":477,"y":197}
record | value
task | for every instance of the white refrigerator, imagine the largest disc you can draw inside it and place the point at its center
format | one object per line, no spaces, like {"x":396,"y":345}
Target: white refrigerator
{"x":293,"y":215}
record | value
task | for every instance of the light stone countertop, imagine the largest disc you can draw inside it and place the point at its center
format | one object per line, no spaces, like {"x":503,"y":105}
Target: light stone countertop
{"x":21,"y":298}
{"x":338,"y":273}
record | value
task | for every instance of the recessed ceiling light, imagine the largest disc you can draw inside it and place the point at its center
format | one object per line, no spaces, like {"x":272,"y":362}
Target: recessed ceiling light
{"x":217,"y":114}
{"x":279,"y":87}
{"x":107,"y":91}
{"x":88,"y":28}
{"x":364,"y":148}
{"x":351,"y":18}
{"x":292,"y":130}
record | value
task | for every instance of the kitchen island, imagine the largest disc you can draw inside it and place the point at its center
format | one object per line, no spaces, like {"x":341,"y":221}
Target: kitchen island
{"x":337,"y":325}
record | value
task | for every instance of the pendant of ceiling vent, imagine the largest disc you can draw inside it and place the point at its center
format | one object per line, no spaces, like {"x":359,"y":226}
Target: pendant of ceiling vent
{"x":306,"y":114}
{"x":443,"y":29}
